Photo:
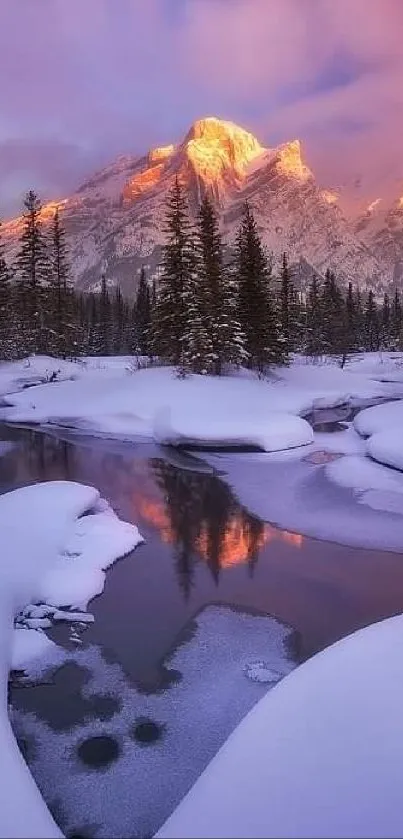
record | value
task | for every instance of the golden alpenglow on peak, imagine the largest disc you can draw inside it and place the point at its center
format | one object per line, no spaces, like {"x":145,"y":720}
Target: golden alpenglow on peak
{"x":160,"y":154}
{"x":212,"y":145}
{"x":290,"y":162}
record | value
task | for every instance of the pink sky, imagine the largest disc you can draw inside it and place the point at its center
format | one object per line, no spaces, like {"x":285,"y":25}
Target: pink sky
{"x":85,"y":80}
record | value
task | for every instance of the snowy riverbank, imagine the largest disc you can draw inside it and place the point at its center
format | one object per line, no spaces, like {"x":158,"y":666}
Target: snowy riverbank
{"x":58,"y":539}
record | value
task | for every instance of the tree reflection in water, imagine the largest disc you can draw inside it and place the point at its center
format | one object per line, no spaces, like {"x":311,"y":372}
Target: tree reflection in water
{"x":206,"y":522}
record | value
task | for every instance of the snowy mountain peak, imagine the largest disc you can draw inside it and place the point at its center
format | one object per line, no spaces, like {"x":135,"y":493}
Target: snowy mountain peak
{"x":115,"y":219}
{"x":290,"y":161}
{"x":212,"y":145}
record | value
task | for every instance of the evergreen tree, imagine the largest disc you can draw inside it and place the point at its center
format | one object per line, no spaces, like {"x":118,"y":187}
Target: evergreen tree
{"x":351,"y":319}
{"x":94,"y":338}
{"x":8,"y":334}
{"x":217,"y":296}
{"x":33,"y":272}
{"x":396,"y":319}
{"x":118,"y":316}
{"x":371,"y":324}
{"x":385,"y":332}
{"x":315,"y":342}
{"x":359,"y":320}
{"x":263,"y":342}
{"x":142,"y":315}
{"x":177,"y":275}
{"x":105,"y":332}
{"x":335,"y":328}
{"x":60,"y":337}
{"x":291,"y":314}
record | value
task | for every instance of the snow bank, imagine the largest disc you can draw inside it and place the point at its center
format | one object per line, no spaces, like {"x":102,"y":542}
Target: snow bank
{"x":113,"y":400}
{"x":42,"y":532}
{"x":379,"y":418}
{"x":320,"y":756}
{"x":270,"y":432}
{"x":37,"y":369}
{"x":387,"y":447}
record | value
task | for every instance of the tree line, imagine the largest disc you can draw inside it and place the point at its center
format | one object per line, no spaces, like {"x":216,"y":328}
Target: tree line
{"x":40,"y":309}
{"x":211,"y":311}
{"x":214,"y":307}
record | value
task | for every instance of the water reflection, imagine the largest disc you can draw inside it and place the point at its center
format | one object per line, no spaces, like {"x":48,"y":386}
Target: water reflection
{"x":205,"y":521}
{"x":193,"y":512}
{"x":201,"y":517}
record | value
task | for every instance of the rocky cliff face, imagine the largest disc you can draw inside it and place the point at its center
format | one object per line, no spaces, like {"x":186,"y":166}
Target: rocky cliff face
{"x":115,"y":220}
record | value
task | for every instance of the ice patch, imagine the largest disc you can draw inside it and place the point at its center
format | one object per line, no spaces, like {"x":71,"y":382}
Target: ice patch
{"x":207,"y":697}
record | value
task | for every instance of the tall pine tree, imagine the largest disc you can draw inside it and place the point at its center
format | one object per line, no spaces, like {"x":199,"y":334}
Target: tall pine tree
{"x":8,"y":332}
{"x":177,"y":274}
{"x":315,"y":344}
{"x":59,"y":320}
{"x":371,"y":324}
{"x":218,"y":295}
{"x":263,"y":341}
{"x":396,"y":319}
{"x":33,"y":275}
{"x":142,"y":316}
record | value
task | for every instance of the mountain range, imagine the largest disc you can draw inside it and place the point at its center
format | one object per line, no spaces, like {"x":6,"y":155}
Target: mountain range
{"x":114,"y":221}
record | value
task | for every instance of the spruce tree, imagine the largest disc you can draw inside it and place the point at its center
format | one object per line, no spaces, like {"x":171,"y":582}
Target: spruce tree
{"x":105,"y":332}
{"x":94,"y":338}
{"x":59,"y":295}
{"x":263,"y":341}
{"x":335,"y":330}
{"x":224,"y":343}
{"x":33,"y":275}
{"x":315,"y":345}
{"x":371,"y":324}
{"x":177,"y":272}
{"x":351,"y":318}
{"x":385,"y":332}
{"x":396,"y":319}
{"x":8,"y":332}
{"x":142,"y":315}
{"x":359,"y":320}
{"x":118,"y":318}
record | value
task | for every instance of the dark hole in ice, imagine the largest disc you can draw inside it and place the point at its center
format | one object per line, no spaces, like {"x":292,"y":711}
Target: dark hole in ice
{"x":146,"y":731}
{"x":98,"y":752}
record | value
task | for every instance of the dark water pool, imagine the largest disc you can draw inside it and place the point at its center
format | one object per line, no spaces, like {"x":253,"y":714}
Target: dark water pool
{"x":155,"y":632}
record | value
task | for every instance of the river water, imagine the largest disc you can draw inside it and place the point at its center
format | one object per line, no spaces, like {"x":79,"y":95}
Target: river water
{"x":211,"y":592}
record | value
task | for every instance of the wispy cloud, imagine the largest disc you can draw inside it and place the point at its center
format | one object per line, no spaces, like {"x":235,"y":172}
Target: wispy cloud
{"x":88,"y":79}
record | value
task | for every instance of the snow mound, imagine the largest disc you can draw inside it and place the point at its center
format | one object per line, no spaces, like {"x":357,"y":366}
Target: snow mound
{"x":270,"y":432}
{"x":45,"y":527}
{"x":320,"y":755}
{"x":379,"y":418}
{"x":387,"y":447}
{"x":374,"y":485}
{"x":110,"y":397}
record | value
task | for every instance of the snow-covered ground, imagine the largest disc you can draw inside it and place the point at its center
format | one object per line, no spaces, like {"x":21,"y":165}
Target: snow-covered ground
{"x":320,"y":484}
{"x":112,"y":398}
{"x":321,"y":755}
{"x":57,"y":539}
{"x":351,"y":500}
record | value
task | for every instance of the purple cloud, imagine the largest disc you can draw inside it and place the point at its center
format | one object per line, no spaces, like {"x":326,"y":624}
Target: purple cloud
{"x":86,"y":80}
